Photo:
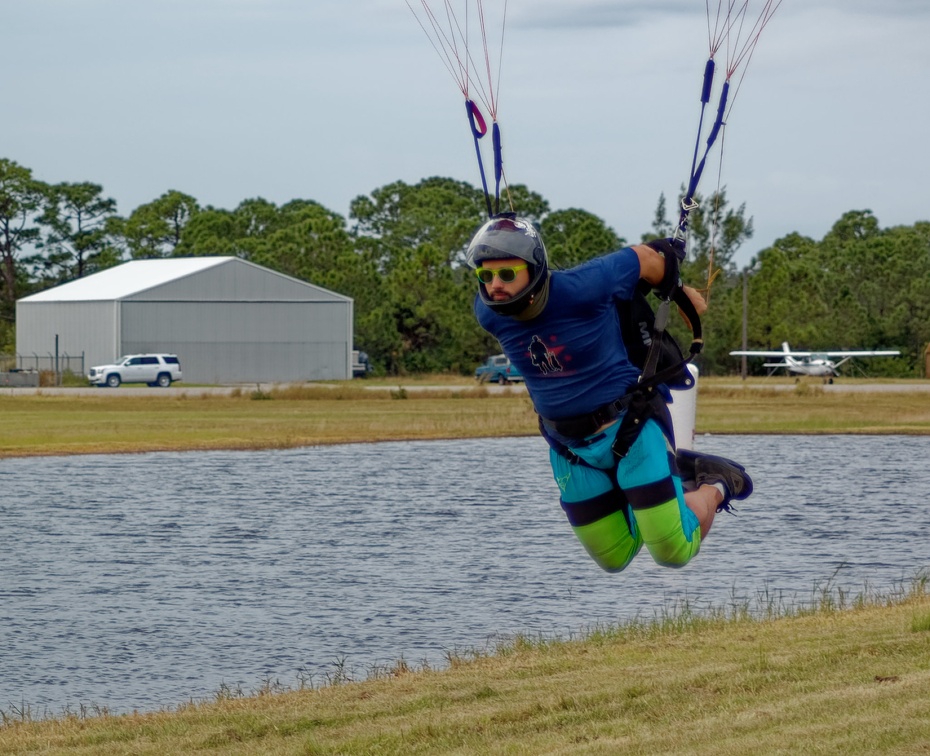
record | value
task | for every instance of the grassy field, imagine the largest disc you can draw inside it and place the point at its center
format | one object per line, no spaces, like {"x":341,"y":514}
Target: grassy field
{"x":807,"y":408}
{"x":850,"y":677}
{"x":120,"y":421}
{"x":277,"y":418}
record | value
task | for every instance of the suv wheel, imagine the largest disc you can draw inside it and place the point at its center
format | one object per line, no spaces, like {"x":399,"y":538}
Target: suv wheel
{"x":113,"y":380}
{"x":163,"y":380}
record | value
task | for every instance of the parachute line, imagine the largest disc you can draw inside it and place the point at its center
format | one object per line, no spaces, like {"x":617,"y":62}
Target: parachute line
{"x":729,"y":29}
{"x":474,"y":73}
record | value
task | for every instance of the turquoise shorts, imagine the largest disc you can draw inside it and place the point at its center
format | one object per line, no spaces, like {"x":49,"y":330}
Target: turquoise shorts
{"x":616,"y":505}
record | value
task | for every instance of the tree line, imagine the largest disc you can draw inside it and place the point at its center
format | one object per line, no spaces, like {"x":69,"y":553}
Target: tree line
{"x":400,"y":251}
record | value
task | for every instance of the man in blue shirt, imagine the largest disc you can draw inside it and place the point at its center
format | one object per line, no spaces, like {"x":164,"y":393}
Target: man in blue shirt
{"x":561,"y":330}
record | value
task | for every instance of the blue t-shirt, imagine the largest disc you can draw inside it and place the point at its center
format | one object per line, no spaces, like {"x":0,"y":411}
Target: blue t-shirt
{"x":572,"y":355}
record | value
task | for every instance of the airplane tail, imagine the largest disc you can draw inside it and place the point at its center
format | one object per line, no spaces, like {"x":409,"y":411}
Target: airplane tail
{"x":785,"y":348}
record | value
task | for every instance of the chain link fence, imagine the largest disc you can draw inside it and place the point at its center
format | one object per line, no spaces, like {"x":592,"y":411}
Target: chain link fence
{"x":39,"y":369}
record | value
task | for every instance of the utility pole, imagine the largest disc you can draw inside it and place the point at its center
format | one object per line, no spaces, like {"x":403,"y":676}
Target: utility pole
{"x":745,"y":369}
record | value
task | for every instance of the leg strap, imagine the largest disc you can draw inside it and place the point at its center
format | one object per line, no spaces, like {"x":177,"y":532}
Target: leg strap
{"x":645,"y":404}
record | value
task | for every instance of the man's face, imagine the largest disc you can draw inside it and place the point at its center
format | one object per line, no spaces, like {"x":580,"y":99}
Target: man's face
{"x":498,"y":291}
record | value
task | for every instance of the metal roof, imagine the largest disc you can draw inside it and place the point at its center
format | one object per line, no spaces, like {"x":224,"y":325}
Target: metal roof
{"x":126,"y":279}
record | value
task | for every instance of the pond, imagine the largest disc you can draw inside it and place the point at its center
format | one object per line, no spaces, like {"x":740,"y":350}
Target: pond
{"x":145,"y":581}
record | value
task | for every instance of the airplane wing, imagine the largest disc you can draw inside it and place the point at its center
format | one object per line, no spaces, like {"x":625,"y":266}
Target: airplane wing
{"x":793,"y":353}
{"x":878,"y":353}
{"x":771,"y":354}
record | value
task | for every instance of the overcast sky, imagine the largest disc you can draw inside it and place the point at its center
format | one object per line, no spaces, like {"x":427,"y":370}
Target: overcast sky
{"x":331,"y":99}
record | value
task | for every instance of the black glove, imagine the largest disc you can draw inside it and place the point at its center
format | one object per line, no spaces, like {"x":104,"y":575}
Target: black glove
{"x":668,"y":247}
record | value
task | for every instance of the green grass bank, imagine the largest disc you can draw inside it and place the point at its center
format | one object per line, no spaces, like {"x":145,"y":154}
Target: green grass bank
{"x":838,"y":679}
{"x":117,"y":421}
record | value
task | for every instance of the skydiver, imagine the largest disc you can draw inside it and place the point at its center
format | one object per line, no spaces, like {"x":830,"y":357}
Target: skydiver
{"x":619,"y":488}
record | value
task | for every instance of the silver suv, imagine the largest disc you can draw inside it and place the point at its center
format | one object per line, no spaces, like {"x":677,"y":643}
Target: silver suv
{"x":153,"y":369}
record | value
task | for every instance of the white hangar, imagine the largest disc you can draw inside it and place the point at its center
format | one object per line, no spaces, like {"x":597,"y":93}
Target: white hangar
{"x":228,"y":320}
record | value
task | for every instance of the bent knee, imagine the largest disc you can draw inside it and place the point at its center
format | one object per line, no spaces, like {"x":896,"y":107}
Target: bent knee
{"x":671,"y":532}
{"x":613,"y":560}
{"x":609,"y":542}
{"x":674,"y":554}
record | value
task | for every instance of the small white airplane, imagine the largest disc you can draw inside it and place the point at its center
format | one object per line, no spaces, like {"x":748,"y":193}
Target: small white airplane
{"x":812,"y":363}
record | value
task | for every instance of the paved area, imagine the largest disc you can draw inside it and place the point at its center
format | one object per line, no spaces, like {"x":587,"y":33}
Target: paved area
{"x":861,"y":388}
{"x":517,"y":388}
{"x":194,"y":391}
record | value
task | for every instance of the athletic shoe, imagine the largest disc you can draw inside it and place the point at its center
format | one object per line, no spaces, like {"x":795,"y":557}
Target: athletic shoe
{"x":685,"y":459}
{"x":707,"y":469}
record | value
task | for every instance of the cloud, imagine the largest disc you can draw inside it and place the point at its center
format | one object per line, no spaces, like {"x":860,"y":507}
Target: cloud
{"x":600,"y":14}
{"x":596,"y":14}
{"x":874,"y":7}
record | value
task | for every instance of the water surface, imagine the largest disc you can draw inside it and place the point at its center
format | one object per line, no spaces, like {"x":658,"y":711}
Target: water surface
{"x":142,"y":581}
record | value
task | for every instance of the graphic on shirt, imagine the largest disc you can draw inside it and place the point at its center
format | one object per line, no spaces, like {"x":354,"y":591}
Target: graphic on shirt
{"x":542,"y":358}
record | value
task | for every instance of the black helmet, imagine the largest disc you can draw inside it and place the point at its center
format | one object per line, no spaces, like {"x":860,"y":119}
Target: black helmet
{"x":505,"y":236}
